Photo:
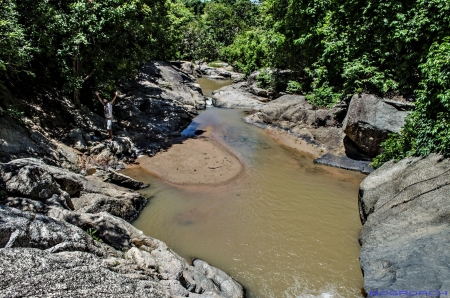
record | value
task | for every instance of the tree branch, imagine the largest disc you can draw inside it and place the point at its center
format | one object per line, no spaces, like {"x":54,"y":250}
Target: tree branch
{"x":89,"y":75}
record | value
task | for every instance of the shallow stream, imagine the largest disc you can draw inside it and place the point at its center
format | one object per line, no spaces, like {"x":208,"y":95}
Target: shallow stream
{"x":285,"y":228}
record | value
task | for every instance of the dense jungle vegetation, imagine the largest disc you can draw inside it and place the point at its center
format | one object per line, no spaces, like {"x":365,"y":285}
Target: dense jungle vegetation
{"x":335,"y":47}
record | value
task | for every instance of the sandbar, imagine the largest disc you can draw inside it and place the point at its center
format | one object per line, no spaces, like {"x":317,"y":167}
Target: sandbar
{"x":197,"y":161}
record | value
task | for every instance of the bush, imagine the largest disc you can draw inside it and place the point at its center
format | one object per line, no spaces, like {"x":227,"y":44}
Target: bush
{"x":294,"y":87}
{"x":266,"y":79}
{"x":323,"y":96}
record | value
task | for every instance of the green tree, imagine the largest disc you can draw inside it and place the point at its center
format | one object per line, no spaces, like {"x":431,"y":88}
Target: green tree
{"x":427,"y":129}
{"x":16,"y":51}
{"x":103,"y":40}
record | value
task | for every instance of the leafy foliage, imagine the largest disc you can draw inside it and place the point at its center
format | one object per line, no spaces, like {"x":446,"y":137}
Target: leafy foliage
{"x":294,"y":87}
{"x":427,"y":129}
{"x":335,"y":48}
{"x":266,"y":79}
{"x":14,"y":113}
{"x":16,"y":51}
{"x":214,"y":26}
{"x":78,"y":40}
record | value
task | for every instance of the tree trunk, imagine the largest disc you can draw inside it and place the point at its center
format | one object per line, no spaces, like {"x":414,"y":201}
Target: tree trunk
{"x":75,"y":72}
{"x":76,"y":98}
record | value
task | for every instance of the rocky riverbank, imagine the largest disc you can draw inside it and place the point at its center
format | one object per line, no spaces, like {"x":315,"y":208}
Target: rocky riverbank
{"x":62,"y":234}
{"x":348,"y":135}
{"x":64,"y":212}
{"x":403,"y":206}
{"x":150,"y":114}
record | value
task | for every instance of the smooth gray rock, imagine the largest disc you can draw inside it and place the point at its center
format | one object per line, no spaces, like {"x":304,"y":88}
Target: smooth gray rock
{"x":295,"y":115}
{"x":26,"y":229}
{"x":234,"y":97}
{"x":370,"y":120}
{"x":295,"y":109}
{"x":162,"y":79}
{"x":225,"y":283}
{"x":405,"y":239}
{"x":158,"y":107}
{"x":254,"y":89}
{"x":17,"y":141}
{"x":187,"y":67}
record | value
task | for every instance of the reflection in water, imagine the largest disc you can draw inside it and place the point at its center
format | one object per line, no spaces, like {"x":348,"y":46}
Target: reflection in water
{"x":286,"y":228}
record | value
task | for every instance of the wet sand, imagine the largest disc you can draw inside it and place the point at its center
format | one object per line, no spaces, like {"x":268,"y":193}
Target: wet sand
{"x":198,"y":161}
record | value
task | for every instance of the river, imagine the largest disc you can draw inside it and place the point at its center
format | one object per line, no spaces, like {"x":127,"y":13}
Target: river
{"x":285,"y":228}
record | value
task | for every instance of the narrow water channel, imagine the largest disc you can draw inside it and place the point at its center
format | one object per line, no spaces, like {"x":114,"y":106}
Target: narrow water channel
{"x":285,"y":228}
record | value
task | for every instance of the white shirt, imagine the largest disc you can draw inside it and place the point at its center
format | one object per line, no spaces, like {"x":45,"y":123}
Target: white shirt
{"x":109,"y":108}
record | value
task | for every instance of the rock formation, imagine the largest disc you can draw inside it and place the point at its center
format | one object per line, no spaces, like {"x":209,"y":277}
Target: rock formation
{"x":370,"y":120}
{"x":405,"y":239}
{"x":62,"y":234}
{"x":235,"y":97}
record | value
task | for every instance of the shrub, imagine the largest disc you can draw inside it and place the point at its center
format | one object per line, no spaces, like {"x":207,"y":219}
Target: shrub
{"x":294,"y":87}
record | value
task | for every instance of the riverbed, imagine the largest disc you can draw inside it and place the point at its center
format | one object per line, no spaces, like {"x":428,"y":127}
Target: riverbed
{"x":284,"y":227}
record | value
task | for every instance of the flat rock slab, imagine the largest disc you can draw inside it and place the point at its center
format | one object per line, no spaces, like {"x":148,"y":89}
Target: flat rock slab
{"x":125,"y":181}
{"x":344,"y":162}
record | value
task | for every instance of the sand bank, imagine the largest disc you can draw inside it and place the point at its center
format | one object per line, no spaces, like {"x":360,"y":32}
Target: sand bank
{"x":198,"y":161}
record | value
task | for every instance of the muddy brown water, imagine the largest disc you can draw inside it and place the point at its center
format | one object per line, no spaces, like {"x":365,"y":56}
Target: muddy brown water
{"x":285,"y":228}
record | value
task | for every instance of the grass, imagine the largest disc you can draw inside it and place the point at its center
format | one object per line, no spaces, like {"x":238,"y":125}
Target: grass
{"x":91,"y":232}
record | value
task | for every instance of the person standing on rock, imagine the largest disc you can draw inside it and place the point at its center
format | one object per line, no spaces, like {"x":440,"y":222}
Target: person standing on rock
{"x":107,"y":107}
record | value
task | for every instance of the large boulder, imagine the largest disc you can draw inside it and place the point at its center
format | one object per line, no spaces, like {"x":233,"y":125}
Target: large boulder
{"x":370,"y":120}
{"x":405,"y":239}
{"x":19,"y":141}
{"x":290,"y":110}
{"x":234,"y":97}
{"x":158,"y":107}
